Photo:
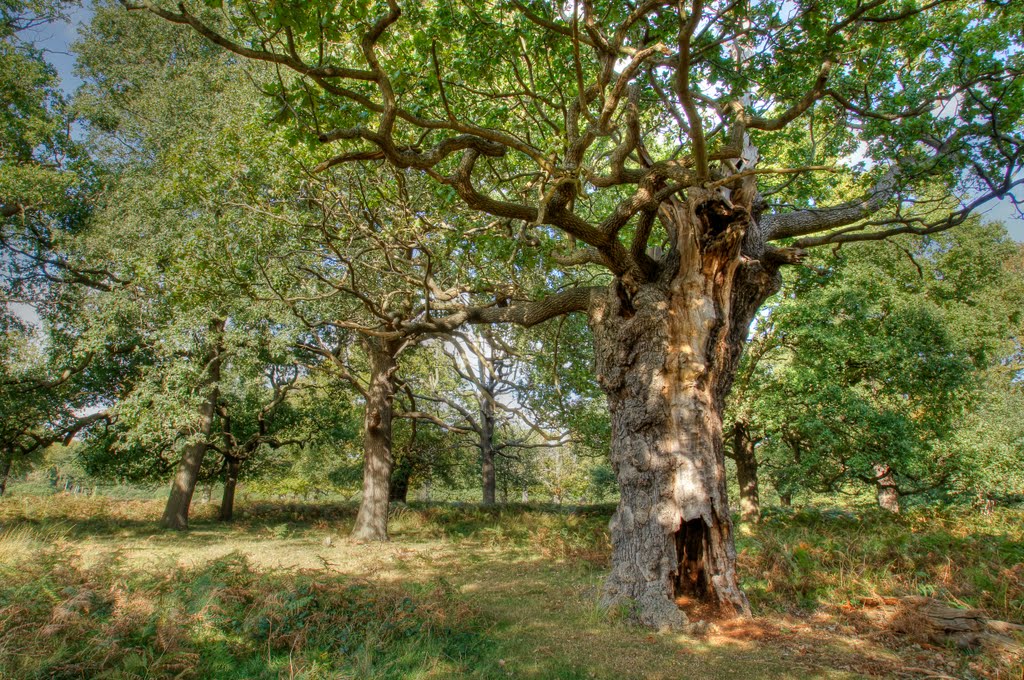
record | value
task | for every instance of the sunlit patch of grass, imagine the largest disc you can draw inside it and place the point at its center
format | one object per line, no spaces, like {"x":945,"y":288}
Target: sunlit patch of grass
{"x":20,"y":543}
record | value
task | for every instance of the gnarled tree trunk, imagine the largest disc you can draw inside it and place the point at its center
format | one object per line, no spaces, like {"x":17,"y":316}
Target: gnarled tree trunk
{"x":746,"y":473}
{"x":886,"y":488}
{"x":227,"y":503}
{"x":372,"y":520}
{"x":184,"y":485}
{"x":666,"y":353}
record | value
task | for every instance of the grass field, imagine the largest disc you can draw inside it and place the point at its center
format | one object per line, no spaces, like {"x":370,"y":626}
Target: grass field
{"x":89,"y":588}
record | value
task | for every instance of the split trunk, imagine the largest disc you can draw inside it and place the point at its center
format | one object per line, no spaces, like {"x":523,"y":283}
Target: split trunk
{"x":667,"y":351}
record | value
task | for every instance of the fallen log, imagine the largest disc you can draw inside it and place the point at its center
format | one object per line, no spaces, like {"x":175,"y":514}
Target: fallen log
{"x":937,"y":622}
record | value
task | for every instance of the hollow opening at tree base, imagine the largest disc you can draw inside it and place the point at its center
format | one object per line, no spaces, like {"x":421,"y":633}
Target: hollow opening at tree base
{"x":691,"y":581}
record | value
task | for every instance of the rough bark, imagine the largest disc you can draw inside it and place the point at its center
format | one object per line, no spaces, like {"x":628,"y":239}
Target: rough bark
{"x":486,"y":444}
{"x":372,"y":520}
{"x":886,"y":488}
{"x":667,"y":352}
{"x":227,"y":504}
{"x":184,"y":485}
{"x":746,"y":473}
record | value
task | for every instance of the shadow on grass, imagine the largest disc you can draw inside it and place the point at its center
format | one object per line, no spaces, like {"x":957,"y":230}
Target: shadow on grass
{"x":501,"y":592}
{"x":496,"y":618}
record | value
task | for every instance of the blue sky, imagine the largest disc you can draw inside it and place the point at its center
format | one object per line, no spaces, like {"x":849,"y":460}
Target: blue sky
{"x":57,"y":38}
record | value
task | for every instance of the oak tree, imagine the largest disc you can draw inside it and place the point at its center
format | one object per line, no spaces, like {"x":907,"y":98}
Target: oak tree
{"x":686,"y":150}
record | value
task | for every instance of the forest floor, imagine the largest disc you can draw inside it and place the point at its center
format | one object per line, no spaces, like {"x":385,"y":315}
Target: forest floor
{"x":90,"y":588}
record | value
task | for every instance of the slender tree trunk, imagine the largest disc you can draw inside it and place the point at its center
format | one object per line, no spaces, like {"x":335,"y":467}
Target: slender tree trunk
{"x":227,"y":503}
{"x":5,"y":472}
{"x":399,"y":490}
{"x":887,"y":490}
{"x":487,"y":448}
{"x":372,"y":520}
{"x":746,"y":473}
{"x":667,"y":353}
{"x":184,"y":484}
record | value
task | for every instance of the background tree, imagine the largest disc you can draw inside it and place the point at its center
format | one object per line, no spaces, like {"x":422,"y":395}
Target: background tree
{"x":868,"y":366}
{"x":492,"y":402}
{"x":244,"y":227}
{"x":45,"y":389}
{"x":358,"y":266}
{"x":44,"y":176}
{"x":180,"y":282}
{"x":54,"y":366}
{"x":255,"y":415}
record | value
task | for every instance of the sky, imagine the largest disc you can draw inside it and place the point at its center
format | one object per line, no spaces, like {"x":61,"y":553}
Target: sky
{"x":1005,"y":211}
{"x":56,"y":40}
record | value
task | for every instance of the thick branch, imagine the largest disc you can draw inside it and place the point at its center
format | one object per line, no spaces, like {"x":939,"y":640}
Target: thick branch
{"x":801,"y":222}
{"x":525,"y":313}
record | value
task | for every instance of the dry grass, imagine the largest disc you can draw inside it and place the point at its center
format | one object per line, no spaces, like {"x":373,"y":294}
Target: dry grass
{"x":473,"y":593}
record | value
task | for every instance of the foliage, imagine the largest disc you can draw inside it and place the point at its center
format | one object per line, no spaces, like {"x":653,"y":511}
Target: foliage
{"x":44,"y":176}
{"x":50,"y":363}
{"x":818,"y":557}
{"x":885,"y":357}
